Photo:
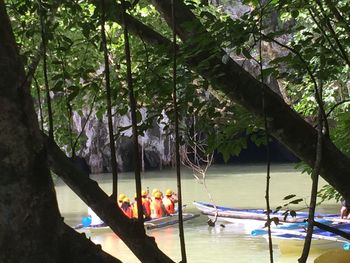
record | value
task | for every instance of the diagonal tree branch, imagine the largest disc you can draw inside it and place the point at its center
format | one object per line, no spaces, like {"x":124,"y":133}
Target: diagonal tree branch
{"x":284,"y":123}
{"x":143,"y":246}
{"x":237,"y":84}
{"x":79,"y":249}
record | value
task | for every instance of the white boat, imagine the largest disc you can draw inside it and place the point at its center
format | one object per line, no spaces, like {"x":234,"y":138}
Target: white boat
{"x":250,"y":219}
{"x":151,"y":224}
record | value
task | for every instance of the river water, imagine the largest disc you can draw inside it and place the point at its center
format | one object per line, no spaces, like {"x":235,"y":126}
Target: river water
{"x":241,"y":186}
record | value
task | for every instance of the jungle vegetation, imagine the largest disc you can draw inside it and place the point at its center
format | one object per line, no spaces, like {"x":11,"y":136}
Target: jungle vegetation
{"x":279,"y":69}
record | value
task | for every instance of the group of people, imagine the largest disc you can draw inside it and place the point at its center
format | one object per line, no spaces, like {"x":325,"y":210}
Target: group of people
{"x":155,"y":206}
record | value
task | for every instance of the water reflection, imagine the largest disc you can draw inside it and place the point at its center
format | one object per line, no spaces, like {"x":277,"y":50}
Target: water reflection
{"x":235,"y":186}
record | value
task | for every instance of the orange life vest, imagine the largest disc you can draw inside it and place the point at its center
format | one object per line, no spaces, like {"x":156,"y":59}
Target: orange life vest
{"x":127,"y":209}
{"x":157,"y":208}
{"x":146,"y":207}
{"x":134,"y":210}
{"x":169,"y":205}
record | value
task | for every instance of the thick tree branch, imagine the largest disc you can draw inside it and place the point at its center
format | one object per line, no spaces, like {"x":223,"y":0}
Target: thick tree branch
{"x":143,"y":246}
{"x":77,"y":248}
{"x":114,"y":13}
{"x":338,"y":15}
{"x":284,"y":124}
{"x":334,"y":34}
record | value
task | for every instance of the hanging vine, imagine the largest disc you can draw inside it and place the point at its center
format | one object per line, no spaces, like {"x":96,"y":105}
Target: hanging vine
{"x":46,"y":80}
{"x":109,"y":104}
{"x":177,"y":140}
{"x":315,"y":171}
{"x":267,"y":134}
{"x":37,"y":87}
{"x":133,"y":109}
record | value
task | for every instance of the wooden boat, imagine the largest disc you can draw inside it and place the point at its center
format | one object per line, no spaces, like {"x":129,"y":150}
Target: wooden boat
{"x":151,"y":224}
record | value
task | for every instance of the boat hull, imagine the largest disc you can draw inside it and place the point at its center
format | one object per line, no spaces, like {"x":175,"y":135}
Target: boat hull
{"x":152,"y":224}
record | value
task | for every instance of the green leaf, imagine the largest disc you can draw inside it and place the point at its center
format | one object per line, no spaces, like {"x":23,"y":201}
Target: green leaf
{"x":246,"y":53}
{"x":295,"y":13}
{"x":296,"y":201}
{"x":289,"y":197}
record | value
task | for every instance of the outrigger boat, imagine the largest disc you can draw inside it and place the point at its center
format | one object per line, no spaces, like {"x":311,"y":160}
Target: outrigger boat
{"x":253,"y":218}
{"x":291,"y":241}
{"x":149,"y":225}
{"x":289,"y":234}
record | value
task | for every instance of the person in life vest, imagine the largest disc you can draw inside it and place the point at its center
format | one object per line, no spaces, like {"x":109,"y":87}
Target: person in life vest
{"x":154,"y":191}
{"x":135,"y":213}
{"x":157,"y":207}
{"x":169,"y":201}
{"x":146,"y":203}
{"x":126,"y":207}
{"x":120,"y":199}
{"x":146,"y":206}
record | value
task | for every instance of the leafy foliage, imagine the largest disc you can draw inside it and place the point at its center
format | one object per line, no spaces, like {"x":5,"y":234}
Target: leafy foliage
{"x":303,"y":44}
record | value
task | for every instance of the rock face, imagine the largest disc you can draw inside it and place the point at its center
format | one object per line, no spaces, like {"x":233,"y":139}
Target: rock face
{"x":154,"y":145}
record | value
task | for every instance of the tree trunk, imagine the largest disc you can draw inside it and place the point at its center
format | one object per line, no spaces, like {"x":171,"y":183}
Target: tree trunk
{"x":31,"y":228}
{"x":143,"y":246}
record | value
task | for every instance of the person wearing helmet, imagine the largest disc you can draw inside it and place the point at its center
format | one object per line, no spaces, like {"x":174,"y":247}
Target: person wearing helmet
{"x":157,"y":207}
{"x":154,"y":191}
{"x":146,"y":206}
{"x":126,"y":207}
{"x":134,"y":207}
{"x":146,"y":203}
{"x":120,"y":199}
{"x":169,"y":201}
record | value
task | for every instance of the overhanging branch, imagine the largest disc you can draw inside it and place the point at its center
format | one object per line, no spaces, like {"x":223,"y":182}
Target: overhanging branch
{"x":143,"y":246}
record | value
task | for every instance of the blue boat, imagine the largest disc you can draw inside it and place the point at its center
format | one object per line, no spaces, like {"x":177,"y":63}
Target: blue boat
{"x":291,"y":240}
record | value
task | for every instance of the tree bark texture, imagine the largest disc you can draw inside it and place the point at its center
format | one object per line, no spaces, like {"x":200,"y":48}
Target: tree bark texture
{"x":134,"y":236}
{"x":31,"y":228}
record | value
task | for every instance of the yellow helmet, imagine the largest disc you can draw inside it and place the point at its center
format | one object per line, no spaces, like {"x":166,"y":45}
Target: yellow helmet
{"x":169,"y":192}
{"x":126,"y":200}
{"x":121,"y":197}
{"x":158,"y":195}
{"x":154,"y":191}
{"x":144,"y":193}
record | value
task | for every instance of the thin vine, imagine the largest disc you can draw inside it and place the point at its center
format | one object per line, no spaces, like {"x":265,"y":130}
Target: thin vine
{"x":37,"y":86}
{"x":267,"y":135}
{"x":109,"y":103}
{"x":177,"y":139}
{"x":314,"y":177}
{"x":133,"y":109}
{"x":46,"y":80}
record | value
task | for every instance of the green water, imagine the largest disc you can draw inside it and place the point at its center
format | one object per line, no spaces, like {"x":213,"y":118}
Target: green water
{"x":234,"y":186}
